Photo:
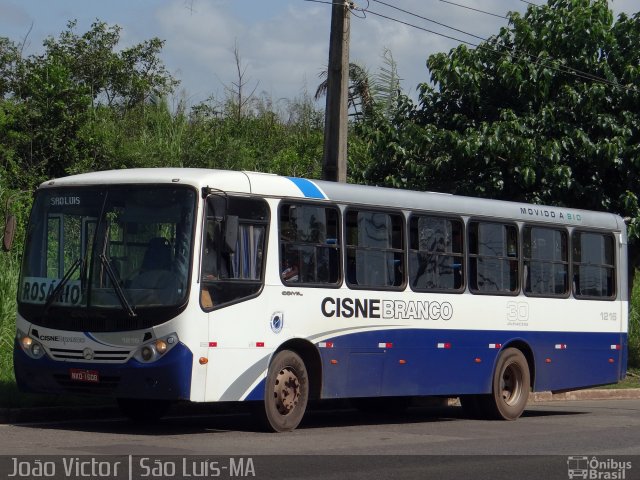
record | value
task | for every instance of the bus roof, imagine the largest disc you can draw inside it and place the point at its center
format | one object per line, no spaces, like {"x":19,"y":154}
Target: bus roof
{"x":277,"y":186}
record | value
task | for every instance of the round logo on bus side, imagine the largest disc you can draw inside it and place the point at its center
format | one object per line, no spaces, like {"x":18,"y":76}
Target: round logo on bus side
{"x":277,"y":322}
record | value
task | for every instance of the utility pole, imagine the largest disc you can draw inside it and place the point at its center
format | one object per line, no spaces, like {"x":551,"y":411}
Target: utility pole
{"x":334,"y":161}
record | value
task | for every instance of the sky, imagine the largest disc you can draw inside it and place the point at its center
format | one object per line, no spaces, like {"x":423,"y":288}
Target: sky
{"x":283,"y":45}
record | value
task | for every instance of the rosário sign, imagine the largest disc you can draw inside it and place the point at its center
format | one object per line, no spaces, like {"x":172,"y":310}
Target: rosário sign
{"x":38,"y":289}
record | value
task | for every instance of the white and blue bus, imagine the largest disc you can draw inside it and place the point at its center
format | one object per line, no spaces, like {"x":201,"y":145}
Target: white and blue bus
{"x":157,"y":285}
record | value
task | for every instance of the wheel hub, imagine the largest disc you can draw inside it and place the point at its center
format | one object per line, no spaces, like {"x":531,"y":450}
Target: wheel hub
{"x":286,"y":391}
{"x":511,"y":384}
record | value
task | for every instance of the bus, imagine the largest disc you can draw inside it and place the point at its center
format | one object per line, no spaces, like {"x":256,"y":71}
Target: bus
{"x":151,"y":286}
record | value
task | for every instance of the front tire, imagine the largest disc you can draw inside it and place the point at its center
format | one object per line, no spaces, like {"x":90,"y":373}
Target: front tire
{"x":286,"y":392}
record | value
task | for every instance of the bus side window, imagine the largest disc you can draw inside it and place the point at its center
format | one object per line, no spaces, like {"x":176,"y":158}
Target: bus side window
{"x":375,"y":249}
{"x":546,"y":262}
{"x":233,"y":273}
{"x":309,"y":245}
{"x":435,"y":254}
{"x":493,"y":258}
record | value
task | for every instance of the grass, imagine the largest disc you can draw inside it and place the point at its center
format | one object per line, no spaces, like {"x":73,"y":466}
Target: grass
{"x":634,"y":323}
{"x":632,"y":380}
{"x":9,"y":269}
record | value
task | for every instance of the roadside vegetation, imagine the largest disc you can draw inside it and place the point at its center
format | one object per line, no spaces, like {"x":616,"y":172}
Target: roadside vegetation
{"x":517,"y":119}
{"x":634,"y":326}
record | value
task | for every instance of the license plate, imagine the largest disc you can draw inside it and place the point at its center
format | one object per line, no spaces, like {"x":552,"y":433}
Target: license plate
{"x":86,"y":376}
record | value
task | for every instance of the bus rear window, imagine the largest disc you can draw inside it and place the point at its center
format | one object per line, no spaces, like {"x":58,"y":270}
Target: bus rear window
{"x":593,"y":265}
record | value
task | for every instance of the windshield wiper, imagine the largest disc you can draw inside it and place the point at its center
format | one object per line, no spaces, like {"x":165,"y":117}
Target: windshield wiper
{"x":53,"y":296}
{"x":116,"y":286}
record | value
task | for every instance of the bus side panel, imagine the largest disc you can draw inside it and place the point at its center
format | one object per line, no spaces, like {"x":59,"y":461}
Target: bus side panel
{"x":580,"y":360}
{"x":407,"y":362}
{"x":449,"y":362}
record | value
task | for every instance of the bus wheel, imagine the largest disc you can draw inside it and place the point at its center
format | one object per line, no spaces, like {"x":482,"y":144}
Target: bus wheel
{"x":511,"y":386}
{"x":143,"y":411}
{"x":286,"y":392}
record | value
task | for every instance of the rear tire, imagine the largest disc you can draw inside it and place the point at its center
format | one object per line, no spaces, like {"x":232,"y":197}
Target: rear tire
{"x":510,"y":387}
{"x":286,"y":393}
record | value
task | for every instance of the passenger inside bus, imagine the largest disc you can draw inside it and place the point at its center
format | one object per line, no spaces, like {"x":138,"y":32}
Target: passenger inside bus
{"x":290,"y":271}
{"x":157,"y":256}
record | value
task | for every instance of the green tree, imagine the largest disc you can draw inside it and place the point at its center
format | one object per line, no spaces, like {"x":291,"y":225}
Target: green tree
{"x":285,"y":140}
{"x":369,"y":94}
{"x":112,"y":76}
{"x":546,"y":111}
{"x":9,"y":58}
{"x":48,"y":101}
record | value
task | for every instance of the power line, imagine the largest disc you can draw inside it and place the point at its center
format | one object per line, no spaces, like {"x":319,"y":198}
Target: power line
{"x":537,"y":60}
{"x":320,"y":1}
{"x":474,"y":9}
{"x":424,"y":29}
{"x":428,"y":19}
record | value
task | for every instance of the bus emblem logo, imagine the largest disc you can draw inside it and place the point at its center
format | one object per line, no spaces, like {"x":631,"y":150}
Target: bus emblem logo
{"x":87,"y":353}
{"x":277,"y":321}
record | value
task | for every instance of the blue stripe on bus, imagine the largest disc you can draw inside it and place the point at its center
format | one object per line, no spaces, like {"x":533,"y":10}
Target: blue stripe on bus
{"x":308,"y":188}
{"x":409,"y":362}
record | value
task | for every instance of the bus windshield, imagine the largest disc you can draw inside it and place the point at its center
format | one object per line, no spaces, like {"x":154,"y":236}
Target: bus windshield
{"x":119,"y":249}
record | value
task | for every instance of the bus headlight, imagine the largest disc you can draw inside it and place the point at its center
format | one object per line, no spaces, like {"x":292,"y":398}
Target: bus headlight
{"x":153,"y":350}
{"x":147,"y":353}
{"x":30,"y":346}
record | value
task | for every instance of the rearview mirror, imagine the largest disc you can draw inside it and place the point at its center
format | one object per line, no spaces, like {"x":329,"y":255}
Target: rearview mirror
{"x":230,"y":233}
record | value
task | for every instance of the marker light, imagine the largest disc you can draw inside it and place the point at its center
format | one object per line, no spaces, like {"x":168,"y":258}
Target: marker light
{"x":161,"y":346}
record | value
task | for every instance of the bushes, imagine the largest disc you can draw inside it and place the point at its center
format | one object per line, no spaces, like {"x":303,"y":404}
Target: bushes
{"x":19,"y":203}
{"x":634,"y":324}
{"x":10,"y":267}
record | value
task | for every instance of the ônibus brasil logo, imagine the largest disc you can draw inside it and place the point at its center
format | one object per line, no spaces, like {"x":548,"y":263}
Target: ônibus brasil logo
{"x":597,"y":469}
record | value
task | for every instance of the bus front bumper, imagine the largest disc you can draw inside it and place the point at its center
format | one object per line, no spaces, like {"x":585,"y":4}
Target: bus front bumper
{"x":168,"y":378}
